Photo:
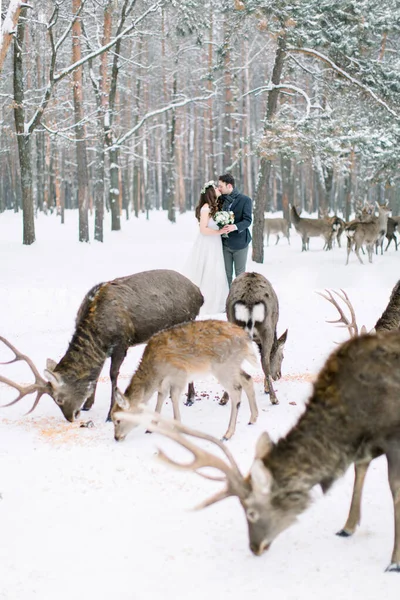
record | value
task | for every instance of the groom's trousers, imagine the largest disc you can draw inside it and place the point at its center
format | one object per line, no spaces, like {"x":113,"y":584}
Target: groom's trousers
{"x":234,"y":258}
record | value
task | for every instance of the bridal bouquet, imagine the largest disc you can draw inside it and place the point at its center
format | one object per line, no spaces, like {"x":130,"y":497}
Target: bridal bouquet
{"x":224,"y":217}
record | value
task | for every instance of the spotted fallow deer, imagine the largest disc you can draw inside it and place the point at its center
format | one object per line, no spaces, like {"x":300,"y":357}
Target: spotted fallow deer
{"x":174,"y":355}
{"x":352,"y":417}
{"x":113,"y":316}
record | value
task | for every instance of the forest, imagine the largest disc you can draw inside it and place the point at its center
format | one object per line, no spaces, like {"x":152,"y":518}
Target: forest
{"x":129,"y":106}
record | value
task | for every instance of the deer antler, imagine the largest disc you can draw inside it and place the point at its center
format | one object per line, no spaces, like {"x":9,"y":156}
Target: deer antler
{"x":41,"y":386}
{"x":235,"y":482}
{"x":352,"y":327}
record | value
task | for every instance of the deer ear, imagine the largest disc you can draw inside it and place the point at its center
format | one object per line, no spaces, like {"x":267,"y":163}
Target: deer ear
{"x":121,"y":400}
{"x":363,"y":330}
{"x":263,"y":446}
{"x":261,"y":478}
{"x":283,"y":338}
{"x":54,"y":378}
{"x":50,"y":364}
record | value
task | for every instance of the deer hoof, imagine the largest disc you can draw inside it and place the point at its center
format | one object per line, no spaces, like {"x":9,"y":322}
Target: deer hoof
{"x":224,"y":399}
{"x":344,"y":533}
{"x":393,"y":568}
{"x":189,"y":402}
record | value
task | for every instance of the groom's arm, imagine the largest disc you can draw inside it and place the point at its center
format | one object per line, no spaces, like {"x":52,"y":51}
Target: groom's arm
{"x":246,"y":219}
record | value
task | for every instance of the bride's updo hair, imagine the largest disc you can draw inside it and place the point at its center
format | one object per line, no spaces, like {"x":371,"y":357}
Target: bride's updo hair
{"x":208,"y":196}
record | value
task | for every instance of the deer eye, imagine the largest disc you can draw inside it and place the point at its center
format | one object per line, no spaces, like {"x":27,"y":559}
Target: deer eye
{"x":252,"y":515}
{"x":59,"y":401}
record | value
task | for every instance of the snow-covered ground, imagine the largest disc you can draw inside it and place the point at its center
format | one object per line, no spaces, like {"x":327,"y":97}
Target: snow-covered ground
{"x":86,"y":518}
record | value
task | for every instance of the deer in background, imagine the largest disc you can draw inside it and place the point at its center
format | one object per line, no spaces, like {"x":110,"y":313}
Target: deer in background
{"x":311,"y":228}
{"x":392,"y":227}
{"x":276,"y":226}
{"x":253,"y":304}
{"x":172,"y":356}
{"x":349,"y":419}
{"x":368,"y":233}
{"x":113,"y":316}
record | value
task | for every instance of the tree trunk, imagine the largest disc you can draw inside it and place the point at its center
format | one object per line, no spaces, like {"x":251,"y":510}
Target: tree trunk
{"x":24,"y":138}
{"x":265,"y":164}
{"x":82,"y":168}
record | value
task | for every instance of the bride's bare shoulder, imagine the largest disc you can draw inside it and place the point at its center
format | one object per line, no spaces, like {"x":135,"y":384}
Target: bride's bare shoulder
{"x":205,"y":208}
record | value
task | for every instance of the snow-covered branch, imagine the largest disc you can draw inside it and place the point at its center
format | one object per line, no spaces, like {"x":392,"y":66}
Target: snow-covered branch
{"x":7,"y":28}
{"x":56,"y":78}
{"x":345,"y":75}
{"x":155,"y":113}
{"x":286,"y":87}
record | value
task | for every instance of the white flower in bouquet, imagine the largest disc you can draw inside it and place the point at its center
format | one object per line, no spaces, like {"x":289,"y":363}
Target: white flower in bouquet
{"x":224,"y":217}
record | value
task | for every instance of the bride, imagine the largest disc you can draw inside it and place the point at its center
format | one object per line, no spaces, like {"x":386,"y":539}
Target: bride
{"x":205,"y":265}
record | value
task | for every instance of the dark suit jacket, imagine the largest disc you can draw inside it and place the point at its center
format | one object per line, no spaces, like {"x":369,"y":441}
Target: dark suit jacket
{"x":241,"y":206}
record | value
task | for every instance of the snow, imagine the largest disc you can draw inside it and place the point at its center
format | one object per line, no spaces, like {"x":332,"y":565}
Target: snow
{"x":85,"y":517}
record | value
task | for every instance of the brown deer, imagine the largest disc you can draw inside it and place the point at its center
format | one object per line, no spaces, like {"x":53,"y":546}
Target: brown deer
{"x":172,"y":356}
{"x":352,"y":417}
{"x":368,"y":233}
{"x":113,"y":316}
{"x":253,"y":304}
{"x":392,"y":228}
{"x":276,"y":226}
{"x":311,"y":228}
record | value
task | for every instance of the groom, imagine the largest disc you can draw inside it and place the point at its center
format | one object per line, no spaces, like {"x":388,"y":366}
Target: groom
{"x":236,"y":245}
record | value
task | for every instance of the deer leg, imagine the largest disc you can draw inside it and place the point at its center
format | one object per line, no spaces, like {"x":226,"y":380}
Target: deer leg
{"x":161,"y":395}
{"x":191,"y":394}
{"x":225,"y":399}
{"x":277,"y":239}
{"x":90,"y":400}
{"x":357,"y":251}
{"x":304,"y":243}
{"x":117,"y":358}
{"x":235,"y":393}
{"x":268,"y":387}
{"x":360,"y":471}
{"x":176,"y":392}
{"x":393,"y":458}
{"x":247,"y":384}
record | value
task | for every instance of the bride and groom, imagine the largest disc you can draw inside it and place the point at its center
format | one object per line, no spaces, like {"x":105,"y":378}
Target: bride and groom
{"x":217,"y":251}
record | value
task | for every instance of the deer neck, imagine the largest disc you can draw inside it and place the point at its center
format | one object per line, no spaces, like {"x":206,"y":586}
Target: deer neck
{"x":314,"y":452}
{"x":84,"y":358}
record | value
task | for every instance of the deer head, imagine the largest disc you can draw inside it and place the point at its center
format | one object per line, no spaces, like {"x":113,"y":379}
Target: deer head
{"x":268,"y":512}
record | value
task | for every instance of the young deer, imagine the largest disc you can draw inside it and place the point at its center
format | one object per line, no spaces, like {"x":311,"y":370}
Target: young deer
{"x":368,"y":233}
{"x":112,"y":317}
{"x":352,"y":417}
{"x":253,"y":304}
{"x":276,"y":226}
{"x":172,"y":356}
{"x":311,"y":228}
{"x":392,"y":227}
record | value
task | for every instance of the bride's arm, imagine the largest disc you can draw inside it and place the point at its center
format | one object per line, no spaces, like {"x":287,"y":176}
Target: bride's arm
{"x":204,"y":218}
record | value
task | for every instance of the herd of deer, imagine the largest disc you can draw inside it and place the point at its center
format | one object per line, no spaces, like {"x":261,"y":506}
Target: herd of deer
{"x":367,"y":230}
{"x":352,"y":417}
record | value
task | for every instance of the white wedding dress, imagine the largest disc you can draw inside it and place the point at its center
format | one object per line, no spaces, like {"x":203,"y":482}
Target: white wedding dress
{"x":206,"y":268}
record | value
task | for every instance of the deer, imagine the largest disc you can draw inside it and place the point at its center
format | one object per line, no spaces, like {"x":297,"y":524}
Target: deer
{"x":349,"y":419}
{"x":276,"y":226}
{"x":311,"y":228}
{"x":253,"y":304}
{"x":368,"y":233}
{"x":392,"y":228}
{"x":172,"y":356}
{"x":113,"y":316}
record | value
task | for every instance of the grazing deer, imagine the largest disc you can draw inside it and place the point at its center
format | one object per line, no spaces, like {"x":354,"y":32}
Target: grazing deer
{"x":253,"y":304}
{"x":311,"y":228}
{"x":352,"y":417}
{"x":392,"y":227}
{"x":112,"y":317}
{"x":172,"y":356}
{"x":276,"y":226}
{"x":359,"y":233}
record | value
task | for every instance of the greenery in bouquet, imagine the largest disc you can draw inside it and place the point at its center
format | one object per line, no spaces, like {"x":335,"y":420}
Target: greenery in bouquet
{"x":224,"y":217}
